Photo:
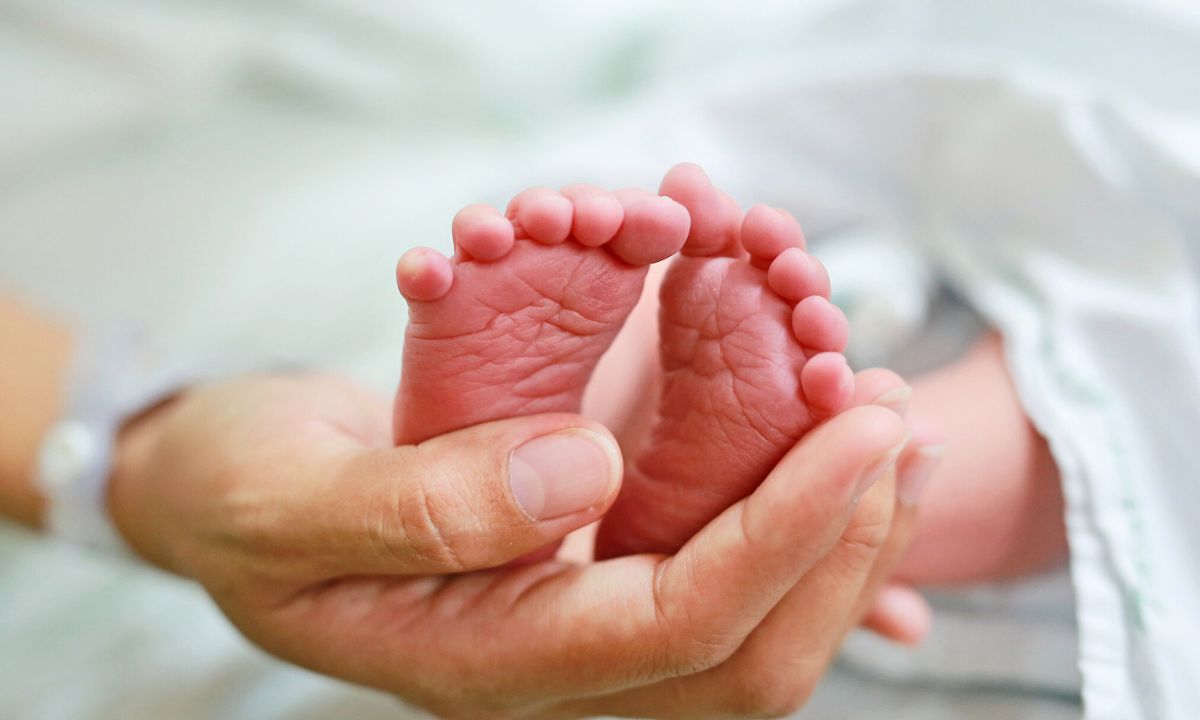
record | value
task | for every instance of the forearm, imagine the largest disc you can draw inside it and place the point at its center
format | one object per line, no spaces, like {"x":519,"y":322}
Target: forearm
{"x":35,"y":358}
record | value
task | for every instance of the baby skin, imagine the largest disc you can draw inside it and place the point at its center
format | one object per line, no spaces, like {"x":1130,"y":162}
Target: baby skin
{"x":516,"y":322}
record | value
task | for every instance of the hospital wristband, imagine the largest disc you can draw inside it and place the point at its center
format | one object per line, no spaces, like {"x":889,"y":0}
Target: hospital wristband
{"x":108,"y":382}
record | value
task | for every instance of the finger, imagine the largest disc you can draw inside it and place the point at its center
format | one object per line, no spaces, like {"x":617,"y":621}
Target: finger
{"x":555,"y":629}
{"x":775,"y":667}
{"x":897,"y":614}
{"x":470,"y":499}
{"x":890,"y":551}
{"x":771,"y":539}
{"x":731,"y":575}
{"x":894,"y":611}
{"x":900,"y":614}
{"x":772,"y":673}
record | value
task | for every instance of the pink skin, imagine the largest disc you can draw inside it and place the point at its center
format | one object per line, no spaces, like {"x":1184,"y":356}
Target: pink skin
{"x":993,"y":509}
{"x":561,"y":271}
{"x":515,"y":323}
{"x":629,"y":374}
{"x":749,"y":365}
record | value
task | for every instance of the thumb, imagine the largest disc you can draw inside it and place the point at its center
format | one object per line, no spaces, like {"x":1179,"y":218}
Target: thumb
{"x":467,"y":500}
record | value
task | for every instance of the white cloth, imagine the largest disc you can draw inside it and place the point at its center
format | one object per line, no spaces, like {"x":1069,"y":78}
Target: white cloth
{"x":232,"y":177}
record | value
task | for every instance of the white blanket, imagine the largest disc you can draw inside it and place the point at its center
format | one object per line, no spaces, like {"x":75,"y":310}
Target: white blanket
{"x":232,"y":177}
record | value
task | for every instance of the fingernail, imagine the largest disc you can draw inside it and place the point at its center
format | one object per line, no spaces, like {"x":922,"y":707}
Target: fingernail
{"x":877,"y":468}
{"x":917,"y":471}
{"x":563,"y":473}
{"x":895,"y":399}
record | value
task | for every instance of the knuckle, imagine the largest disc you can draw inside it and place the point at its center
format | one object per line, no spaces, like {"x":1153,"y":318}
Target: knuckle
{"x":859,"y":547}
{"x":871,"y":525}
{"x":768,"y":693}
{"x":426,"y":530}
{"x":691,"y":655}
{"x":253,"y":523}
{"x":410,"y":520}
{"x":688,"y":646}
{"x":868,"y":536}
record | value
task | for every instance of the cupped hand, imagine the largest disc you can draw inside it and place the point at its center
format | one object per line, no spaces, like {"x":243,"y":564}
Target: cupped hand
{"x":391,"y":567}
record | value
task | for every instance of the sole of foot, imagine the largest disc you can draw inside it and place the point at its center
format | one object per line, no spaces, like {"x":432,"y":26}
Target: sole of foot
{"x":752,"y":360}
{"x":516,"y":321}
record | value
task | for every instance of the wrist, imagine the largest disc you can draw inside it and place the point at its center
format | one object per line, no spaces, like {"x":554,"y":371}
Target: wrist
{"x":128,"y":500}
{"x":31,"y":395}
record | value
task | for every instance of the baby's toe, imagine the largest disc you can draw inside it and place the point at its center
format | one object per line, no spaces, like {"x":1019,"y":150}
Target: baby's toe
{"x":827,"y":383}
{"x":819,"y":325}
{"x":541,"y":214}
{"x":767,"y":232}
{"x":795,"y":275}
{"x":716,"y":218}
{"x":424,"y":275}
{"x":598,"y":214}
{"x":654,"y":228}
{"x":482,"y":233}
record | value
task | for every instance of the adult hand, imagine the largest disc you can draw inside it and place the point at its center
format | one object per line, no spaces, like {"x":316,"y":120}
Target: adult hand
{"x":631,"y":372}
{"x":330,"y":549}
{"x":775,"y":669}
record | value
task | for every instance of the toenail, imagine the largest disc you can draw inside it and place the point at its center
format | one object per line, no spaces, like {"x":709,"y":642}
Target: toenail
{"x":564,"y":473}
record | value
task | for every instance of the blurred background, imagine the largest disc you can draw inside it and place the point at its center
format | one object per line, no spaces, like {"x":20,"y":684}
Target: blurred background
{"x":236,"y":181}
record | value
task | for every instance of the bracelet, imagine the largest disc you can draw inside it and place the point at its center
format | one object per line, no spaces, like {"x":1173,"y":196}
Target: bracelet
{"x":109,"y":381}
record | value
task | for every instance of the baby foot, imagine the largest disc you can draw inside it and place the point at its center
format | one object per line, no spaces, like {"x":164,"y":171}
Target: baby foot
{"x":515,"y":323}
{"x":751,"y":352}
